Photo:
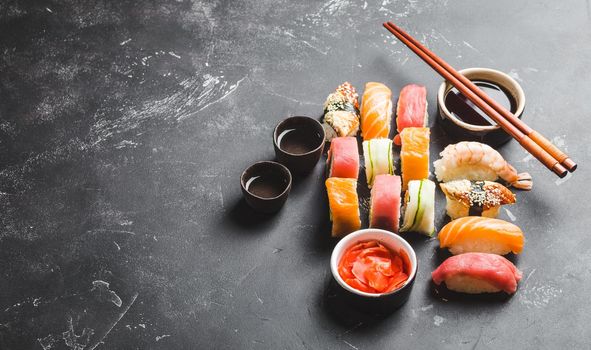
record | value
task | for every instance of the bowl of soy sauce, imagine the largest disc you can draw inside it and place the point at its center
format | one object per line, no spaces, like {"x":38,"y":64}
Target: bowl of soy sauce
{"x":464,"y":121}
{"x":265,"y":186}
{"x":298,"y":143}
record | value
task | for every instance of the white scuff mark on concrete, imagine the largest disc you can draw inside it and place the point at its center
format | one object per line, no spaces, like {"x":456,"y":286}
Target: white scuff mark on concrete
{"x":515,"y":74}
{"x":173,"y":54}
{"x":438,"y":320}
{"x":160,"y":337}
{"x":510,"y":215}
{"x":143,"y":325}
{"x":471,"y":47}
{"x":48,"y":10}
{"x":539,"y":296}
{"x":74,"y":341}
{"x":306,"y":43}
{"x":124,"y":42}
{"x":126,"y":143}
{"x":123,"y":313}
{"x":428,"y":307}
{"x":105,"y":293}
{"x":350,"y":345}
{"x":117,"y":245}
{"x":559,"y":182}
{"x":364,"y":5}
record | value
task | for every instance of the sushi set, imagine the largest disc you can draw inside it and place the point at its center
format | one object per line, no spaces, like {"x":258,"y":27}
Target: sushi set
{"x":377,"y":264}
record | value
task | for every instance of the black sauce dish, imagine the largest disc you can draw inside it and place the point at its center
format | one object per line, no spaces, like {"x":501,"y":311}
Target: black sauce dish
{"x":460,"y":130}
{"x":298,"y":143}
{"x":265,"y":186}
{"x":374,"y":302}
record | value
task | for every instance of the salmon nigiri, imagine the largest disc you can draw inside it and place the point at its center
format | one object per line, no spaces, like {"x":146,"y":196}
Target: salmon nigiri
{"x":411,"y":110}
{"x":376,"y":111}
{"x":414,"y":155}
{"x":344,"y":205}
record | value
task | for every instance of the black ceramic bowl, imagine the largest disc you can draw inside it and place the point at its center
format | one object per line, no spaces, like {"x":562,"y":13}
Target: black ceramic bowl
{"x":298,"y":143}
{"x":373,"y":302}
{"x":459,"y":130}
{"x":265,"y":186}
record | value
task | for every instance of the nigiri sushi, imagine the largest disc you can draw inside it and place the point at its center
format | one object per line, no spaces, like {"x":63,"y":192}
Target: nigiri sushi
{"x":411,"y":110}
{"x":343,"y":158}
{"x":476,"y":273}
{"x":414,"y":155}
{"x":341,"y":112}
{"x":377,"y":154}
{"x":475,"y":198}
{"x":384,"y":210}
{"x":344,"y":205}
{"x":376,"y":111}
{"x":476,"y":161}
{"x":419,"y":207}
{"x":475,"y":234}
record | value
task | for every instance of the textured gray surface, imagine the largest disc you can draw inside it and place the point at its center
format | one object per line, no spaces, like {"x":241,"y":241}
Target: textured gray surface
{"x":124,"y":127}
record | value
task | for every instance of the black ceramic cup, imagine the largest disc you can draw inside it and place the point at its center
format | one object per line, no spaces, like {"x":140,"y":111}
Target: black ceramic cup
{"x":458,"y":129}
{"x":298,"y":143}
{"x":265,"y":186}
{"x":370,"y":302}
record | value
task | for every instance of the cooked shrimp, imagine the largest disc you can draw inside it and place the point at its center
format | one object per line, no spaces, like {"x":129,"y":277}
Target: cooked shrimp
{"x":477,"y":161}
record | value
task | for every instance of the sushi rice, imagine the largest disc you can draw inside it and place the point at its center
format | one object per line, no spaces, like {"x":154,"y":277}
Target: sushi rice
{"x":377,"y":154}
{"x":419,"y":207}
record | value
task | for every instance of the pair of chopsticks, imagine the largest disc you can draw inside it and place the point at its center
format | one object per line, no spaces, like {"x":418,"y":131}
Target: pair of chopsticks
{"x":536,"y":144}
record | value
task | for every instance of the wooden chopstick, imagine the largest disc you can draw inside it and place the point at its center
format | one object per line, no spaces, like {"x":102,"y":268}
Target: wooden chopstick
{"x":528,"y":143}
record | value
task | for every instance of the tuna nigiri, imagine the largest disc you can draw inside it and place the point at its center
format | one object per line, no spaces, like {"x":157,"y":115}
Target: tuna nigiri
{"x":475,"y":198}
{"x":384,"y":210}
{"x":476,"y":161}
{"x":477,"y":273}
{"x":343,"y":158}
{"x":411,"y":110}
{"x":344,"y":205}
{"x":481,"y":235}
{"x":414,"y":155}
{"x":376,"y":111}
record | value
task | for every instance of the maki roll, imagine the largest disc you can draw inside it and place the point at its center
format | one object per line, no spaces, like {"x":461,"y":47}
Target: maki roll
{"x":377,"y":154}
{"x":419,"y":207}
{"x":343,"y":159}
{"x":475,"y":234}
{"x":476,"y":273}
{"x":344,"y":205}
{"x":376,"y":111}
{"x":411,"y":110}
{"x":475,"y":198}
{"x":414,"y":154}
{"x":384,"y":210}
{"x":341,"y":112}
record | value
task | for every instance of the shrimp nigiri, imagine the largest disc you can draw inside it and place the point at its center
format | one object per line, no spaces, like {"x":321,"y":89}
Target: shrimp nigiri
{"x":476,"y":161}
{"x":376,"y":111}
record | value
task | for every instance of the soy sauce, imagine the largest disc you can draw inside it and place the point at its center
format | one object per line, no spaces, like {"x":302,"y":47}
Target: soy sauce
{"x":265,"y":186}
{"x":468,"y":112}
{"x":296,"y":141}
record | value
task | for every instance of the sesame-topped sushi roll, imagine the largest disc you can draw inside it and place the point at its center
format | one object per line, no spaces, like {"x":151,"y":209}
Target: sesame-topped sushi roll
{"x":475,"y":198}
{"x":341,"y":112}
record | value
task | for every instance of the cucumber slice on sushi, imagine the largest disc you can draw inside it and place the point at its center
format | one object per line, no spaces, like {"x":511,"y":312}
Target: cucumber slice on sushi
{"x":419,"y":207}
{"x":377,"y":154}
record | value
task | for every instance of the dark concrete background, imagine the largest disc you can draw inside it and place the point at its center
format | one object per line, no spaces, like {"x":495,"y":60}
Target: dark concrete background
{"x":124,"y":127}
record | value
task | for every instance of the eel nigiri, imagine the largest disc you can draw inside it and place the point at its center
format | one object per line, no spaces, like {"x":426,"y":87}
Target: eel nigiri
{"x":419,"y":207}
{"x":344,"y":205}
{"x":377,"y":154}
{"x":411,"y":110}
{"x":343,"y":158}
{"x":384,"y":210}
{"x":414,"y":154}
{"x":476,"y":161}
{"x":475,"y":234}
{"x":475,"y":198}
{"x":477,"y":273}
{"x":341,"y":112}
{"x":376,"y":111}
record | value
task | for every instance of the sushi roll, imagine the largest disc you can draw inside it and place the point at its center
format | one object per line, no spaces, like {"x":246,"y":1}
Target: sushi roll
{"x":476,"y":273}
{"x":475,"y":234}
{"x":476,"y":161}
{"x":376,"y":111}
{"x":344,"y":205}
{"x":377,"y":154}
{"x":411,"y":110}
{"x":419,"y":207}
{"x":414,"y":154}
{"x":384,"y":210}
{"x":475,"y":198}
{"x":343,"y":158}
{"x":341,"y":112}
